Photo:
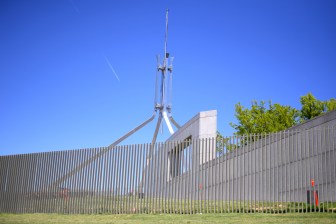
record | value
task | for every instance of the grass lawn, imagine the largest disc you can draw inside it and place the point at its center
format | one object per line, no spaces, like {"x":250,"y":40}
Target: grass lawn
{"x":164,"y":218}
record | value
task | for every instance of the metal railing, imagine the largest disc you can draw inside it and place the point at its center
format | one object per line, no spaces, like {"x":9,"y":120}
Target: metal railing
{"x":290,"y":171}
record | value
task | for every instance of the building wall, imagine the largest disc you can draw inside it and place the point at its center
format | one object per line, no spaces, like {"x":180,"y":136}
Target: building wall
{"x":202,"y":125}
{"x":279,"y":167}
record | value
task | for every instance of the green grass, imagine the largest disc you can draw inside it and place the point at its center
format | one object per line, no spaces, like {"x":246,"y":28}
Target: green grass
{"x":165,"y":218}
{"x":131,"y":204}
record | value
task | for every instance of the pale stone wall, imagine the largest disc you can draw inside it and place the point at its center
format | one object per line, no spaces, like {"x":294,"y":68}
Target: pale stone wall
{"x":202,"y":125}
{"x":278,"y":168}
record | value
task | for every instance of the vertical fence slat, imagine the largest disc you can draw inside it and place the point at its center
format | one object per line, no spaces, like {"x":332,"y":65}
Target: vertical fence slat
{"x":308,"y":176}
{"x":114,"y":180}
{"x":303,"y":171}
{"x":195,"y":175}
{"x":199,"y":162}
{"x":333,"y":137}
{"x":56,"y":175}
{"x":70,"y":186}
{"x":156,"y":177}
{"x":268,"y":158}
{"x":42,"y":179}
{"x":72,"y":182}
{"x":118,"y":178}
{"x":51,"y":177}
{"x":313,"y":165}
{"x":320,"y":188}
{"x":126,"y":169}
{"x":81,"y":183}
{"x":93,"y":190}
{"x":50,"y":195}
{"x":7,"y":193}
{"x":67,"y":183}
{"x":124,"y":153}
{"x":244,"y":171}
{"x":326,"y":164}
{"x":37,"y":183}
{"x":163,"y":179}
{"x":135,"y":179}
{"x":165,"y":176}
{"x":138,"y":179}
{"x":179,"y":163}
{"x":184,"y":179}
{"x":261,"y":183}
{"x":307,"y":161}
{"x":30,"y":187}
{"x":176,"y":177}
{"x":130,"y":176}
{"x":150,"y":179}
{"x":14,"y":182}
{"x":3,"y":181}
{"x":259,"y":173}
{"x":286,"y":152}
{"x":294,"y":170}
{"x":159,"y":178}
{"x":60,"y":172}
{"x":141,"y":180}
{"x":170,"y":173}
{"x":276,"y":157}
{"x":91,"y":179}
{"x":86,"y":180}
{"x":24,"y":185}
{"x":192,"y":177}
{"x":145,"y":177}
{"x":16,"y":179}
{"x":331,"y":196}
{"x":18,"y":182}
{"x":228,"y":176}
{"x":208,"y":185}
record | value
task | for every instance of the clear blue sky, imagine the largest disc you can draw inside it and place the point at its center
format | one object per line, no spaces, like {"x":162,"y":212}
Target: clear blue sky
{"x":57,"y":91}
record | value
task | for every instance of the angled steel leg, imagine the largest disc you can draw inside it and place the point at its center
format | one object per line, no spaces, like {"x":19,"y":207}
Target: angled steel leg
{"x":94,"y":157}
{"x":149,"y":156}
{"x":133,"y":131}
{"x":157,"y":129}
{"x":174,"y":122}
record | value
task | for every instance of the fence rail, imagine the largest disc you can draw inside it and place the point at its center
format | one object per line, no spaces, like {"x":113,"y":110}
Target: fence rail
{"x":290,"y":171}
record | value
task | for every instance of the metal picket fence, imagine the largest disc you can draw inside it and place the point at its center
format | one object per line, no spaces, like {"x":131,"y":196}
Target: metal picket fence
{"x":290,"y":171}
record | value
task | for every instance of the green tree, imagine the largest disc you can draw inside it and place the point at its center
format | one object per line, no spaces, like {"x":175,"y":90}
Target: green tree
{"x":311,"y":107}
{"x":224,"y":144}
{"x":330,"y":105}
{"x":262,"y":118}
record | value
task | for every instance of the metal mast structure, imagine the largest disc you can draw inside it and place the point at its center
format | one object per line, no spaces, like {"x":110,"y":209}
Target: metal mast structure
{"x":162,"y":107}
{"x":162,"y":99}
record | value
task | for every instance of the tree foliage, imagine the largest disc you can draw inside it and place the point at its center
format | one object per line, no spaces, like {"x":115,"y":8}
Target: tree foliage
{"x":262,"y":118}
{"x":268,"y":118}
{"x":330,"y":105}
{"x":312,"y":107}
{"x":224,"y":144}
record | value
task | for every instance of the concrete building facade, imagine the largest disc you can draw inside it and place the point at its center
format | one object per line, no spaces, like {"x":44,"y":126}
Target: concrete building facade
{"x":279,"y":166}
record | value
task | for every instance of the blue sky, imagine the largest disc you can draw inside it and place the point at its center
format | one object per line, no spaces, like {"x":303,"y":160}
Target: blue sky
{"x":58,"y":92}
